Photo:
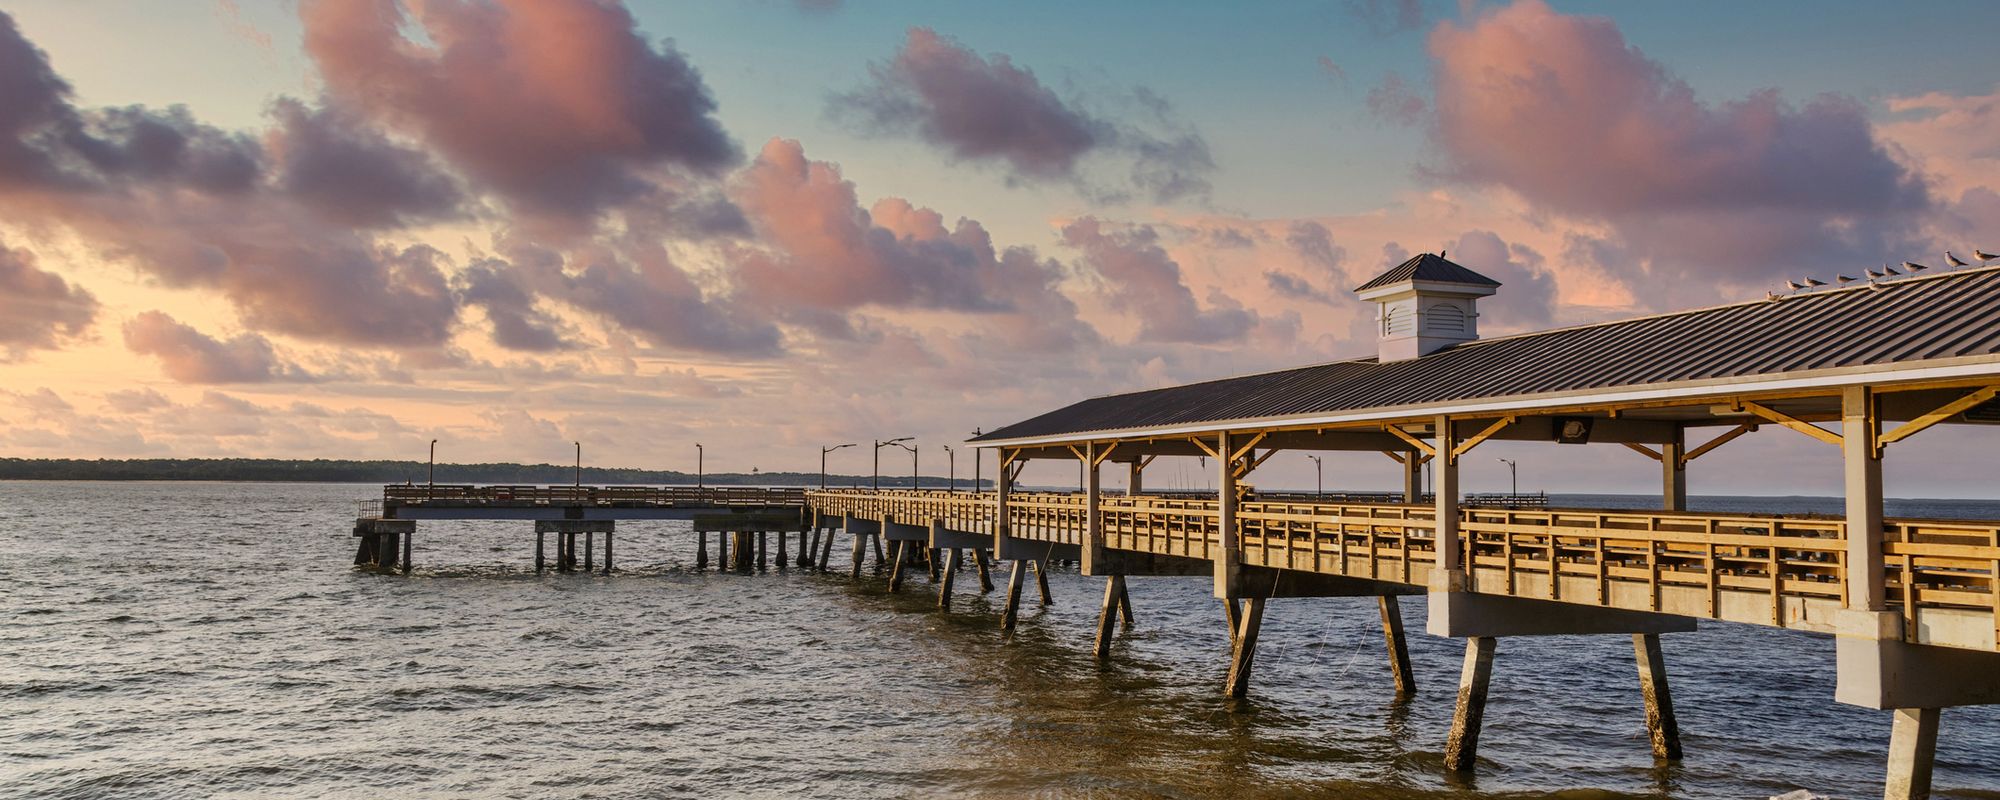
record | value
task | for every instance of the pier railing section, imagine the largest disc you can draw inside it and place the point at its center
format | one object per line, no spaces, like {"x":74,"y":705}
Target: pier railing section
{"x":1784,"y":571}
{"x":707,"y":496}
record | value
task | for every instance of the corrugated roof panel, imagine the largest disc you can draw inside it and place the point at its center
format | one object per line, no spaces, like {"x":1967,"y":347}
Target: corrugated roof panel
{"x":1939,"y":316}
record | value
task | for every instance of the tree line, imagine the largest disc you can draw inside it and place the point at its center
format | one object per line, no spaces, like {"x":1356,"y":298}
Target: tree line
{"x":322,"y":470}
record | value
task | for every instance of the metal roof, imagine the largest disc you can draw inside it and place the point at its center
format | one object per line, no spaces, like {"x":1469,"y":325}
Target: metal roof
{"x":1427,"y":267}
{"x":1952,"y":315}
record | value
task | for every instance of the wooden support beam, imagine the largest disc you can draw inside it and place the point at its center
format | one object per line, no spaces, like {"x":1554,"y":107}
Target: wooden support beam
{"x":1256,"y":462}
{"x":1399,"y":648}
{"x":1245,"y":650}
{"x":985,"y":578}
{"x":1794,"y":423}
{"x":1042,"y":581}
{"x":1012,"y":609}
{"x":1719,"y":441}
{"x":944,"y":585}
{"x":1248,"y":448}
{"x":1420,"y":445}
{"x":1467,"y":445}
{"x":1661,"y":726}
{"x":1395,"y":456}
{"x":1107,"y":619}
{"x":1940,"y":414}
{"x":1461,"y":747}
{"x":1232,"y":617}
{"x":1146,"y":462}
{"x":1104,"y":454}
{"x":1644,"y":451}
{"x":1203,"y":446}
{"x":896,"y":566}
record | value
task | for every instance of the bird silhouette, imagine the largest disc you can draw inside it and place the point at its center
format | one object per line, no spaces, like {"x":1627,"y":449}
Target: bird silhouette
{"x":1815,"y":282}
{"x":1914,"y":266}
{"x":1983,"y":256}
{"x":1843,"y":279}
{"x":1952,"y":260}
{"x":1890,"y":270}
{"x":1872,"y":274}
{"x":1794,"y":285}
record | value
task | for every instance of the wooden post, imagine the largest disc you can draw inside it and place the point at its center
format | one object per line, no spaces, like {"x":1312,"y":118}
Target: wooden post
{"x":1399,"y":648}
{"x":607,"y":552}
{"x":785,"y":560}
{"x":1661,"y":727}
{"x":1859,"y":426}
{"x":896,"y":567}
{"x":875,"y":539}
{"x":700,"y":550}
{"x":589,"y":550}
{"x":722,"y":562}
{"x":1450,"y":552}
{"x":1042,"y":580}
{"x":931,"y":562}
{"x":763,"y":540}
{"x":1461,"y":749}
{"x":1124,"y":601}
{"x":747,"y":551}
{"x":1413,"y":477}
{"x":1013,"y":607}
{"x":539,"y":561}
{"x":860,"y":550}
{"x":1912,"y":753}
{"x":1673,"y":473}
{"x":1134,"y":483}
{"x":808,"y":544}
{"x":385,"y":551}
{"x":944,"y":587}
{"x":1229,"y":557}
{"x":985,"y":580}
{"x":407,"y":538}
{"x":1108,"y":618}
{"x":825,"y":550}
{"x":1245,"y":650}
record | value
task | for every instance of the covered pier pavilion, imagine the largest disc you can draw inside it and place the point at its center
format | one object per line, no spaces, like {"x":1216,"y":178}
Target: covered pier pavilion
{"x":1913,"y":605}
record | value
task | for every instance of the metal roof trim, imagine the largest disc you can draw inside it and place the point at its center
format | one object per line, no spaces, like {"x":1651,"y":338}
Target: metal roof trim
{"x":1966,"y":366}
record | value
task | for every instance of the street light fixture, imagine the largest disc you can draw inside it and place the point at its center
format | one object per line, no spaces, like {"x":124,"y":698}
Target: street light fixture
{"x":698,"y":455}
{"x":822,"y":462}
{"x":430,"y":484}
{"x":975,"y":461}
{"x":1513,"y":471}
{"x":913,"y":463}
{"x":951,"y":472}
{"x":1319,"y":476}
{"x":579,"y":464}
{"x":876,"y":479}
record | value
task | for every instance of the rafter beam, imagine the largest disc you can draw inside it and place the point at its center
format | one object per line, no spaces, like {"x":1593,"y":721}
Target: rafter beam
{"x":1467,"y":445}
{"x":1394,"y":456}
{"x":1078,"y":453}
{"x":1794,"y":423}
{"x":1247,"y":467}
{"x":1106,"y":454}
{"x":1421,"y":445}
{"x":1146,"y":462}
{"x":1718,"y":442}
{"x":1940,"y":414}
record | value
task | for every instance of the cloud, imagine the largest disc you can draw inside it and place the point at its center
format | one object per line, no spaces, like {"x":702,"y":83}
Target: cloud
{"x":136,"y":401}
{"x":1142,"y":279}
{"x":38,"y":309}
{"x":1561,"y":110}
{"x":637,"y":286}
{"x":1332,"y":70}
{"x":560,"y":106}
{"x":337,"y":166}
{"x":988,"y":110}
{"x":190,"y":356}
{"x":1394,"y":101}
{"x":1527,"y":296}
{"x":823,"y":255}
{"x":495,"y":287}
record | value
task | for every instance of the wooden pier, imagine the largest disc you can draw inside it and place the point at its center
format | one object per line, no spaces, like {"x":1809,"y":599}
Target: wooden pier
{"x":1913,"y":605}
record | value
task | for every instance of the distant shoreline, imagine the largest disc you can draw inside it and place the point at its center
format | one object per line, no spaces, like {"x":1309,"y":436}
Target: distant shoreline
{"x":277,"y":470}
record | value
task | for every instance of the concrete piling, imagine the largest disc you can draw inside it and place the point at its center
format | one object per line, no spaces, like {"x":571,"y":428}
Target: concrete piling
{"x":1461,"y":747}
{"x":1912,"y":752}
{"x":1399,"y":648}
{"x":1244,"y":650}
{"x":1661,"y":727}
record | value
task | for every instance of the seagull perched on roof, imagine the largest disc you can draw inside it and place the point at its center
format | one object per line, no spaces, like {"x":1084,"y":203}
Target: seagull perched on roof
{"x":1983,"y":256}
{"x":1952,"y":260}
{"x":1815,"y":282}
{"x":1794,"y":285}
{"x":1872,"y":274}
{"x":1914,"y":266}
{"x":1843,"y":279}
{"x":1890,"y":270}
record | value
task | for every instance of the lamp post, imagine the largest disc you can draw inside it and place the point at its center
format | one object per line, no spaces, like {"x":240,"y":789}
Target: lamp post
{"x":951,"y":472}
{"x":430,"y":483}
{"x":698,"y":455}
{"x":1514,"y":472}
{"x":1319,"y":476}
{"x":579,"y":464}
{"x":876,"y":478}
{"x":822,"y":462}
{"x":975,"y":462}
{"x":913,"y":463}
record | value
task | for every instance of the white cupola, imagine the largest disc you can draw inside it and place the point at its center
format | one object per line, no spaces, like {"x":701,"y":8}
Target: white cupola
{"x":1425,"y":305}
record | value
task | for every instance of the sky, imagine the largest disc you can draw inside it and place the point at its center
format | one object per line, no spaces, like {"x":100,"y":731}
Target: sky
{"x":342,"y":228}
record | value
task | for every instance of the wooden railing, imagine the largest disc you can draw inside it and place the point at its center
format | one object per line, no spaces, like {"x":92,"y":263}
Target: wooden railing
{"x":708,"y":496}
{"x":1787,"y":571}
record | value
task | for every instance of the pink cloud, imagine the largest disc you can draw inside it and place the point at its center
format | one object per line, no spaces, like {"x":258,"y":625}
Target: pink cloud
{"x":190,"y":356}
{"x":38,"y":309}
{"x":561,"y":106}
{"x":1563,"y":111}
{"x":1143,"y":280}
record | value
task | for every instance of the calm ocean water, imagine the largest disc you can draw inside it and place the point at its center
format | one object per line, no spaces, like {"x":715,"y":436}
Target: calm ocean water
{"x":210,"y":640}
